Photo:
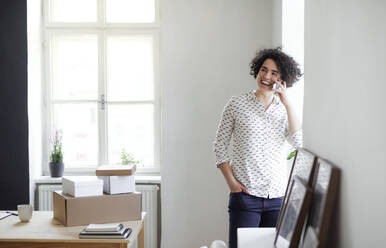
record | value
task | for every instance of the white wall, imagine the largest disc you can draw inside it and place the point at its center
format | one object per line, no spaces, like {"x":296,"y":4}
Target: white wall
{"x":277,"y":22}
{"x":34,"y":92}
{"x":344,"y":110}
{"x":206,"y":47}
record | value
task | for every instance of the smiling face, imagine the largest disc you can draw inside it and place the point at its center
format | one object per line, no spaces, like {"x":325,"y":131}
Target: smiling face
{"x":268,"y":75}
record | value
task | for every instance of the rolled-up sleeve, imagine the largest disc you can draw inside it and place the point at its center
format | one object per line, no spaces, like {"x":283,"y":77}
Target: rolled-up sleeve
{"x":224,"y":134}
{"x":295,"y":139}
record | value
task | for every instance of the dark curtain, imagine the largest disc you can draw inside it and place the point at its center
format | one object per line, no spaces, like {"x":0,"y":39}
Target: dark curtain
{"x":14,"y":168}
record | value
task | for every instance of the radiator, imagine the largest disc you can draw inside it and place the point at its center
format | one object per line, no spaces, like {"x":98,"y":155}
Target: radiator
{"x":45,"y":195}
{"x":149,"y":205}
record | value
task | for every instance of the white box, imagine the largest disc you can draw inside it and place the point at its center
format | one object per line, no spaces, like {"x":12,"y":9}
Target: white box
{"x":118,"y":184}
{"x":79,"y":186}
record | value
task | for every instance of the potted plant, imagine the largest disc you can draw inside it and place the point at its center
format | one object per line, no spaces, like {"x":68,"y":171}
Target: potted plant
{"x":127,"y":158}
{"x":56,"y":157}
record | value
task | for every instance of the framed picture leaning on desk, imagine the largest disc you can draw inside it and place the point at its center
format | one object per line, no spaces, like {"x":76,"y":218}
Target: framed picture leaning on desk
{"x":303,"y":167}
{"x":322,"y":205}
{"x":295,"y":210}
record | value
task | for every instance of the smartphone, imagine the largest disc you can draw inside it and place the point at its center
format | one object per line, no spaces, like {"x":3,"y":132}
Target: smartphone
{"x":276,"y":86}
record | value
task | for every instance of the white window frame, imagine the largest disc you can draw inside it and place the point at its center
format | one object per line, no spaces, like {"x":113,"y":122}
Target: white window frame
{"x":101,"y":29}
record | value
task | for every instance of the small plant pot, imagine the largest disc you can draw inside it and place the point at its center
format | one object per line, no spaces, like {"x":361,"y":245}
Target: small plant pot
{"x":56,"y":169}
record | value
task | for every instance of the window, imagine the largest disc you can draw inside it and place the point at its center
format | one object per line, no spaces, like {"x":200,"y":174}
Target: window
{"x":293,"y":44}
{"x":101,"y":81}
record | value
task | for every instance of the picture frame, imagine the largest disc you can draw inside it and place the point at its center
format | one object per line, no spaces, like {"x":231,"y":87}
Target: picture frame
{"x":322,"y":204}
{"x":303,"y":166}
{"x":295,"y":210}
{"x":311,"y":241}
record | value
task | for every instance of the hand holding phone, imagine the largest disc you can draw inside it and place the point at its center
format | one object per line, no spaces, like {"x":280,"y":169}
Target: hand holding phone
{"x":276,"y":85}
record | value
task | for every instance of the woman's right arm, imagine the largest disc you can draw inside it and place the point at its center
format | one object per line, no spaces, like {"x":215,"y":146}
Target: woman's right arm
{"x":233,"y":184}
{"x":220,"y":147}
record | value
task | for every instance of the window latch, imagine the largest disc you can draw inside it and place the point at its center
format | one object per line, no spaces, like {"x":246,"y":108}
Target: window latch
{"x":102,"y":101}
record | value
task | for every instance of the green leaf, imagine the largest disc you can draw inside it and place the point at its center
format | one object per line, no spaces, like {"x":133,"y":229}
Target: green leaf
{"x":126,"y":158}
{"x":291,"y":155}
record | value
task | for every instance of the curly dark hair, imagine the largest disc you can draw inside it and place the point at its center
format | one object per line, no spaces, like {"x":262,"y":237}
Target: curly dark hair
{"x":288,"y":68}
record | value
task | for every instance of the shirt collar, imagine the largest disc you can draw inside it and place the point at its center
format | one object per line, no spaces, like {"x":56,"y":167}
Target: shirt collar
{"x":252,"y":97}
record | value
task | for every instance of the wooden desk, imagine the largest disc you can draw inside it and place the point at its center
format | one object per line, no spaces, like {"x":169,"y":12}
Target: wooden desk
{"x":44,"y":231}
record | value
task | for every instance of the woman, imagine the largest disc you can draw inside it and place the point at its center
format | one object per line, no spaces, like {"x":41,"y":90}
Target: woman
{"x":260,"y":122}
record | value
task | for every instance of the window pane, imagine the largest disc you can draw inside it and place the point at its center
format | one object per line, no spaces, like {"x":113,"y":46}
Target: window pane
{"x":130,"y":68}
{"x":75,"y":67}
{"x":130,"y":11}
{"x":79,"y":124}
{"x":130,"y":127}
{"x":73,"y":10}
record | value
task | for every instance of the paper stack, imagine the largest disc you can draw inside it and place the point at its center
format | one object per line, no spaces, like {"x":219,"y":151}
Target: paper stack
{"x":117,"y":179}
{"x":105,"y":231}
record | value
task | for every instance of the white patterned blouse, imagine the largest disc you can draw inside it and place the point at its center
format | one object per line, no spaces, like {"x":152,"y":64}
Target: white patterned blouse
{"x":259,"y":137}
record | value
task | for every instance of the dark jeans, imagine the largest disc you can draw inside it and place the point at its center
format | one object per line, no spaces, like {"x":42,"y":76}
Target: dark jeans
{"x":251,"y":211}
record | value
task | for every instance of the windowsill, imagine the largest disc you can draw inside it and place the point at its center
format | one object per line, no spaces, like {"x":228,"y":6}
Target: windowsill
{"x":58,"y":180}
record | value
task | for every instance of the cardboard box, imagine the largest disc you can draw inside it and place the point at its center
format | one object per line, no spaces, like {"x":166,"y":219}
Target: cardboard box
{"x":79,"y":186}
{"x":118,"y":184}
{"x":116,"y":170}
{"x":77,"y":211}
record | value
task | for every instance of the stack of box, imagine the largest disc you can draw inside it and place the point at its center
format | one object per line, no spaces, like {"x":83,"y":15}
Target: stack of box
{"x":117,"y":179}
{"x":82,"y":201}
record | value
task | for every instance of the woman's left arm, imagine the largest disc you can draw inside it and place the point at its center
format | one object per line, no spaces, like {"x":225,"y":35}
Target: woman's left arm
{"x":293,"y":121}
